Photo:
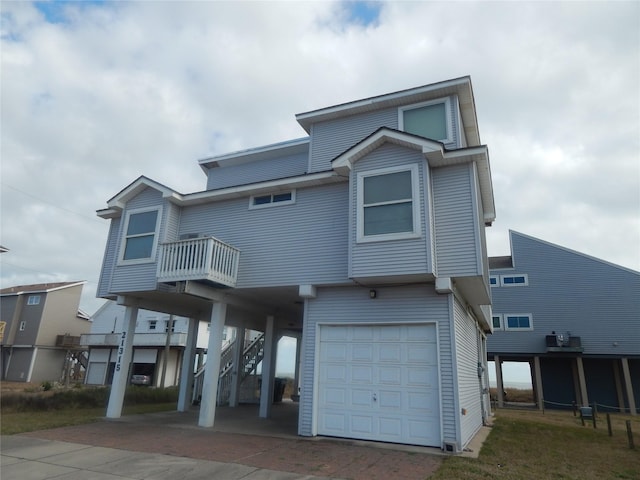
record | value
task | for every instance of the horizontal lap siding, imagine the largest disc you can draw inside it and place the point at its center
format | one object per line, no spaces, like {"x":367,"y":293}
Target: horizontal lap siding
{"x":331,"y":138}
{"x":467,"y":374}
{"x":568,"y":291}
{"x":353,"y":305}
{"x":396,"y":257}
{"x":259,"y":171}
{"x":110,"y":258}
{"x":305,"y":242}
{"x":455,"y":229}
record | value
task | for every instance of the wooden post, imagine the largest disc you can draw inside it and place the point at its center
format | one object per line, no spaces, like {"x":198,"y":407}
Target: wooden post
{"x":594,"y":413}
{"x":630,"y":435}
{"x":609,"y":425}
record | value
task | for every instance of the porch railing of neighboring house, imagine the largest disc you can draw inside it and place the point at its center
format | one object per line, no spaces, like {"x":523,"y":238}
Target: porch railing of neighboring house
{"x":199,"y":259}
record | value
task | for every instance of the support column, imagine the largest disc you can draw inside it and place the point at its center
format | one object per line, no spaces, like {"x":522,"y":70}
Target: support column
{"x":123,"y":362}
{"x":268,"y":366}
{"x":628,"y":385}
{"x":186,"y":372}
{"x":236,"y":379}
{"x":212,"y":368}
{"x":618,"y":382}
{"x":582,"y":382}
{"x":296,"y":375}
{"x":537,"y":379}
{"x":499,"y":384}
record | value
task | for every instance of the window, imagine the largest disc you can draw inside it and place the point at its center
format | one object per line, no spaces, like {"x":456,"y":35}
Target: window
{"x":23,"y":325}
{"x":271,"y":200}
{"x":388,"y":206}
{"x":493,"y":280}
{"x":518,"y":322}
{"x":153,"y":324}
{"x":140,"y":235}
{"x":514,"y":280}
{"x":166,"y":326}
{"x":33,"y":300}
{"x":497,"y":322}
{"x":430,"y":120}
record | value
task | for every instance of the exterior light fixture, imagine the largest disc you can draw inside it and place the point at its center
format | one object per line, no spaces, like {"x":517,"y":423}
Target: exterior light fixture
{"x":373,"y":293}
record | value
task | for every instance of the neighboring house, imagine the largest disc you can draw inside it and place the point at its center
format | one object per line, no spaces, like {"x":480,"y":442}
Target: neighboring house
{"x":574,"y":318}
{"x":365,"y":240}
{"x":153,"y":344}
{"x":42,"y":328}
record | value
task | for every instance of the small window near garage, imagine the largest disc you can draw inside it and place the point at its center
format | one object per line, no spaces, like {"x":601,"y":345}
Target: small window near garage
{"x":429,"y":120}
{"x":514,"y":280}
{"x":166,"y":326}
{"x":497,"y":322}
{"x":23,"y":325}
{"x":518,"y":322}
{"x":388,"y":204}
{"x":33,"y":300}
{"x":272,"y":200}
{"x":494,"y":280}
{"x":153,"y":324}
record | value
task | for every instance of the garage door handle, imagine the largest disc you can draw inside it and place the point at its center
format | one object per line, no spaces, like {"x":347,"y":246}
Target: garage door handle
{"x":375,"y":398}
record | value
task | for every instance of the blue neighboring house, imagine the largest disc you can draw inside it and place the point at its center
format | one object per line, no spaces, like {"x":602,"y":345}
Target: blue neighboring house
{"x":574,"y":318}
{"x":365,"y":240}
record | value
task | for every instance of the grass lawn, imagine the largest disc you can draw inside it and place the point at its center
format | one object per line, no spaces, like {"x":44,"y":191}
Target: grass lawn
{"x":525,"y":444}
{"x":20,"y":422}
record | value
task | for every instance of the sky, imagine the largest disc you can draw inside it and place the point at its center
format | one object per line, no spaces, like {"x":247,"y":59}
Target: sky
{"x":94,"y":94}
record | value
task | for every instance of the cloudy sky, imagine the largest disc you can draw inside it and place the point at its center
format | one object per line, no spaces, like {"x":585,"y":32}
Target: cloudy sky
{"x":94,"y":94}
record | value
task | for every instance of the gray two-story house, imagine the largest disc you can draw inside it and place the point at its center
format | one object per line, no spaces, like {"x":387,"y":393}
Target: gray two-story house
{"x":365,"y":239}
{"x":574,"y":318}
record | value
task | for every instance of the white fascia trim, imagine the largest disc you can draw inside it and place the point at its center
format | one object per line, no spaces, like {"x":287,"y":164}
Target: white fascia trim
{"x":44,"y":290}
{"x":250,"y":153}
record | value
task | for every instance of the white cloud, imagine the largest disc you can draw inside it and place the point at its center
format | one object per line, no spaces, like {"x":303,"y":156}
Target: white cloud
{"x":119,"y":89}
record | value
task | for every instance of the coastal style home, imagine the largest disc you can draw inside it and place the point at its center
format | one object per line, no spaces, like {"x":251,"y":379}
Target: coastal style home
{"x":365,"y":240}
{"x":574,"y":318}
{"x":40,"y":329}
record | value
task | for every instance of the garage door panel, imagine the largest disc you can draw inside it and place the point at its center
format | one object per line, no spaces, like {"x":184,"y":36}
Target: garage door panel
{"x":389,"y":353}
{"x":362,"y":352}
{"x":420,"y":333}
{"x":390,"y":399}
{"x":361,"y":398}
{"x":362,"y":424}
{"x":333,"y":422}
{"x":390,"y":427}
{"x":362,"y":333}
{"x":390,"y":375}
{"x":391,"y":333}
{"x":362,"y":374}
{"x":334,"y":352}
{"x":426,"y":376}
{"x":334,"y":396}
{"x":422,"y":353}
{"x":334,"y":373}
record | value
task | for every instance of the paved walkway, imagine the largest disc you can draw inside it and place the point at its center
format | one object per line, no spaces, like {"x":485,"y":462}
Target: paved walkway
{"x":170,"y":446}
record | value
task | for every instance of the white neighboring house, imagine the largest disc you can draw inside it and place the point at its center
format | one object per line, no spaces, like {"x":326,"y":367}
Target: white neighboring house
{"x":158,"y":353}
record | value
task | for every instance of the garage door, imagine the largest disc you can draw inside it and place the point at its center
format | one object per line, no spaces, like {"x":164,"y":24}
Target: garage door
{"x":379,"y":382}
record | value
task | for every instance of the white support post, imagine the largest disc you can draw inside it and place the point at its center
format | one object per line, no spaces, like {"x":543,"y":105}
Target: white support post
{"x":296,"y":375}
{"x":582,"y":382}
{"x":537,"y":378}
{"x":628,"y":385}
{"x":212,"y":368}
{"x":188,"y":360}
{"x":268,"y":366}
{"x":238,"y":349}
{"x":123,"y":362}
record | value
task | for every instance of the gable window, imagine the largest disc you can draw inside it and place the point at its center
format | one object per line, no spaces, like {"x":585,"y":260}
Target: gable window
{"x":33,"y":300}
{"x":518,"y":322}
{"x":388,"y":204}
{"x":274,"y":199}
{"x":497,"y":322}
{"x":141,"y":235}
{"x":430,"y":120}
{"x":514,"y":280}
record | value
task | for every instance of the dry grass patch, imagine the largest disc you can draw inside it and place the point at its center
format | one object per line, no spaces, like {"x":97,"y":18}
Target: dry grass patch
{"x":531,"y":445}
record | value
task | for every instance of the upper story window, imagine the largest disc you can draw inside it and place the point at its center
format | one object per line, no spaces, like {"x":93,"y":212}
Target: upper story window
{"x":518,"y":322}
{"x":283,"y":198}
{"x":514,"y":280}
{"x":429,"y":119}
{"x":23,"y":325}
{"x":497,"y":322}
{"x":493,"y":280}
{"x":33,"y":300}
{"x":153,"y":324}
{"x":388,"y":204}
{"x":140,"y":235}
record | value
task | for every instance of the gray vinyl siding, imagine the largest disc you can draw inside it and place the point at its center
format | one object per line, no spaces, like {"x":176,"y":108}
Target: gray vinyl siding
{"x":110,"y":258}
{"x":455,"y":221}
{"x":568,"y":292}
{"x":468,"y":383}
{"x":331,"y":138}
{"x":19,"y":364}
{"x":140,"y":277}
{"x":258,"y":171}
{"x":353,"y":305}
{"x":48,"y":365}
{"x":395,"y":257}
{"x":304,"y":242}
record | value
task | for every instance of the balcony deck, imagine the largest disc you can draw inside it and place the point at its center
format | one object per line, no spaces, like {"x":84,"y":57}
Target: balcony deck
{"x":199,"y":259}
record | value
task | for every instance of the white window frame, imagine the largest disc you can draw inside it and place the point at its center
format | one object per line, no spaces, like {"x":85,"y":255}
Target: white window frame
{"x":505,"y":322}
{"x":33,"y":300}
{"x":23,"y":325}
{"x":447,"y":115}
{"x":272,"y":203}
{"x":498,"y":316}
{"x":525,"y":284}
{"x":415,"y":203}
{"x":123,"y":238}
{"x":497,"y":278}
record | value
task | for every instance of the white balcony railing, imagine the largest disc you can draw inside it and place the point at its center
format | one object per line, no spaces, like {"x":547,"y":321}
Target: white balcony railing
{"x":177,"y":339}
{"x":199,"y":259}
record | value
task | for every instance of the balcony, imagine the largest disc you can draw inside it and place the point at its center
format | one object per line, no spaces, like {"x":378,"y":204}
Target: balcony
{"x":563,"y":344}
{"x":139,"y":339}
{"x":199,"y":259}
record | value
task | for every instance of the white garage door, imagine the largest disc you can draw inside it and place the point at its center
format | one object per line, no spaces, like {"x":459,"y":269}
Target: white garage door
{"x":379,"y":382}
